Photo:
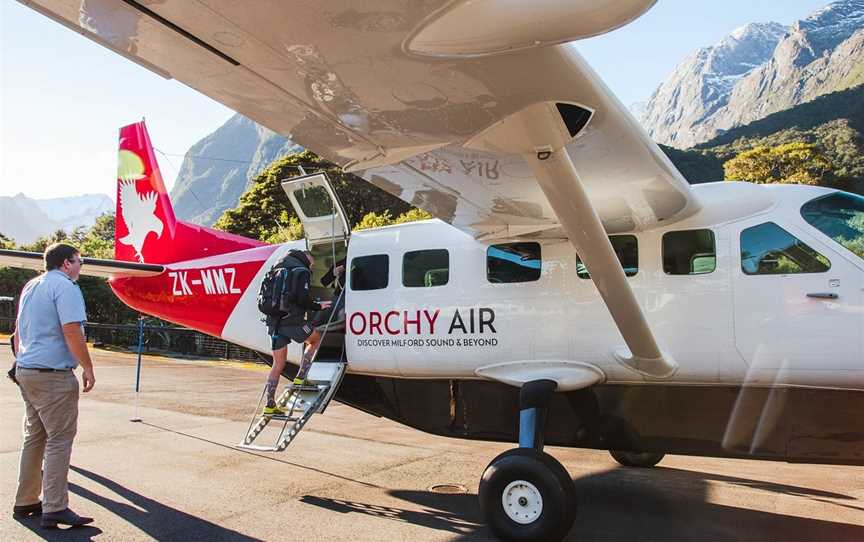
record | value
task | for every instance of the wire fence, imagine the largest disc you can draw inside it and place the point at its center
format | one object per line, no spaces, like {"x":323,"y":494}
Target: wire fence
{"x":157,"y":339}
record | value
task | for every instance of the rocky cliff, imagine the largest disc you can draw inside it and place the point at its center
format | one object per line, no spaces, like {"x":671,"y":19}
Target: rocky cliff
{"x":757,"y":70}
{"x":218,"y":169}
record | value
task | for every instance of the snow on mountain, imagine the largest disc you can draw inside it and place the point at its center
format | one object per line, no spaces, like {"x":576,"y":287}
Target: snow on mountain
{"x":702,"y":83}
{"x":757,"y":70}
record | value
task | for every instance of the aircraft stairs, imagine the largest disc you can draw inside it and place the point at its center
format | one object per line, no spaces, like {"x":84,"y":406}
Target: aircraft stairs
{"x":300,"y":403}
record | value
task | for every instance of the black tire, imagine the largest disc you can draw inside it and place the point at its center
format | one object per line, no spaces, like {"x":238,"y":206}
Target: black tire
{"x":548,"y":477}
{"x":642,"y":460}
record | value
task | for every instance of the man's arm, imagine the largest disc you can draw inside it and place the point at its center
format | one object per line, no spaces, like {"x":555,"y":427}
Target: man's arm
{"x":305,"y":294}
{"x":16,"y":347}
{"x":74,"y":336}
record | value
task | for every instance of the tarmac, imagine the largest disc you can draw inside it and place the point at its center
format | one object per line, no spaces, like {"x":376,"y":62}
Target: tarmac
{"x":176,"y":475}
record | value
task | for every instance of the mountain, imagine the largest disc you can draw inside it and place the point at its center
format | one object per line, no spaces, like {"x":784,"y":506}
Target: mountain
{"x":702,"y":83}
{"x":218,"y":169}
{"x":833,"y":122}
{"x":26,"y":219}
{"x":638,"y":109}
{"x":757,"y":70}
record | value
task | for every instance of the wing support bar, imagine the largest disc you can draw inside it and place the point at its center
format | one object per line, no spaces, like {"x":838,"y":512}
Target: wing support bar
{"x":94,"y":266}
{"x":559,"y":181}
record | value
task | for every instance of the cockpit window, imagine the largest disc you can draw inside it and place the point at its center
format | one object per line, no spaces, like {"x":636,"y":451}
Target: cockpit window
{"x":840,"y":216}
{"x":768,"y":249}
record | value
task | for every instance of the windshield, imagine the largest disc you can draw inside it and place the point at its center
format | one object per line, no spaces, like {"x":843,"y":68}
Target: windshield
{"x":840,"y":216}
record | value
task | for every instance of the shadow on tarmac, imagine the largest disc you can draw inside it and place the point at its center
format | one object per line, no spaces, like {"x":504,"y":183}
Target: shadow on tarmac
{"x":156,"y":519}
{"x":628,"y":503}
{"x":456,"y":514}
{"x":67,"y":534}
{"x":261,"y":455}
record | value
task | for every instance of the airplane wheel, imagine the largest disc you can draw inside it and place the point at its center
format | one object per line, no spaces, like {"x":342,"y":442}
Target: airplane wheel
{"x":637,"y":459}
{"x":527,"y":495}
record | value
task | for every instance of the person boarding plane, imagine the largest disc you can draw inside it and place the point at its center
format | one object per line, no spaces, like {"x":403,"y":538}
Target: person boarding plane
{"x":573,"y":290}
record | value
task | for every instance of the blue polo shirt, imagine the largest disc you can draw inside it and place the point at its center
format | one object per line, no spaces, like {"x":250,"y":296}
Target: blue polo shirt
{"x":47,"y":303}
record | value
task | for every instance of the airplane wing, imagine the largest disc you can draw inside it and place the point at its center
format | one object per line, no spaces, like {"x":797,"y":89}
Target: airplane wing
{"x":443,"y":103}
{"x":92,"y":266}
{"x":398,"y":92}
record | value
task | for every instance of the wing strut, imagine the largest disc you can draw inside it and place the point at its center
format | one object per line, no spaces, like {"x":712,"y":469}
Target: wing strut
{"x":540,"y":133}
{"x":557,"y":178}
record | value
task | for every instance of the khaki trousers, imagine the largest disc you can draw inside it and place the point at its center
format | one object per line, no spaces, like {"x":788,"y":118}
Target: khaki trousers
{"x":50,"y":424}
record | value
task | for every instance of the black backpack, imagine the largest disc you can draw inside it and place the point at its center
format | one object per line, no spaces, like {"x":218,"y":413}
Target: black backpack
{"x":282,"y":291}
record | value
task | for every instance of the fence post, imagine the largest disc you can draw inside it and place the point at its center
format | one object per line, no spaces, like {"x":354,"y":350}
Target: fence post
{"x":137,"y":418}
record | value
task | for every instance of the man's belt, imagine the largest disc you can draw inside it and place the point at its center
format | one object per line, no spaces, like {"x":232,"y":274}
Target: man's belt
{"x":44,"y":370}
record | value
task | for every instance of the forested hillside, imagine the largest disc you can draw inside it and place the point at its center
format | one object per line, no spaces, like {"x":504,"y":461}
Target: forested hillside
{"x":833,"y":124}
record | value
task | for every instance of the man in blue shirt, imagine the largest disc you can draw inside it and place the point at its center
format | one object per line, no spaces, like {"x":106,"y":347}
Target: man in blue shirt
{"x":49,"y":340}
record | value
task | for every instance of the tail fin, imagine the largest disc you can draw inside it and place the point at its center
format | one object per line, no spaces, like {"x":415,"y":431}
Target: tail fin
{"x":146,"y":229}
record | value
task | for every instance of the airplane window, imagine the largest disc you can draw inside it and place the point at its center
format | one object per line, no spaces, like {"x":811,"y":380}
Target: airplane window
{"x":513,"y":262}
{"x":768,"y":249}
{"x":425,"y":268}
{"x":689,"y":252}
{"x":370,"y":272}
{"x":840,"y":216}
{"x":627,"y":249}
{"x":314,"y":201}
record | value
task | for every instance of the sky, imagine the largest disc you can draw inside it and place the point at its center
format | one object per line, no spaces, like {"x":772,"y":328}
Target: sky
{"x":63,"y":97}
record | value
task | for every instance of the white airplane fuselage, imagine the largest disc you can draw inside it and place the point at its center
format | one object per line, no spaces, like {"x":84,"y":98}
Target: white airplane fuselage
{"x":721,"y":327}
{"x":770,"y":363}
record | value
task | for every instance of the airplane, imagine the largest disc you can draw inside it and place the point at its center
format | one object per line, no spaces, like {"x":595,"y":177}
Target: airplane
{"x":573,"y":290}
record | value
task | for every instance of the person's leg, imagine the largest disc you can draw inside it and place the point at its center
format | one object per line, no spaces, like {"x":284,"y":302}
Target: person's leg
{"x":59,"y":414}
{"x":280,"y":356}
{"x":32,"y":451}
{"x":312,"y":344}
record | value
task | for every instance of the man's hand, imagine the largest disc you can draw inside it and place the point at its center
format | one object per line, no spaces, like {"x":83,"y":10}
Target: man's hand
{"x":74,"y":336}
{"x":89,"y":379}
{"x":325,"y":305}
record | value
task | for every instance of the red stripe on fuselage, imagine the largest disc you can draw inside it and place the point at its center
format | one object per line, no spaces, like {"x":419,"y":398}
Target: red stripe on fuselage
{"x":200,"y":294}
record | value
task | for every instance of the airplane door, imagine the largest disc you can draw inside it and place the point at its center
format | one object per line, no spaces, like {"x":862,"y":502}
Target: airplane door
{"x":325,"y":227}
{"x":798,"y":304}
{"x":318,"y":209}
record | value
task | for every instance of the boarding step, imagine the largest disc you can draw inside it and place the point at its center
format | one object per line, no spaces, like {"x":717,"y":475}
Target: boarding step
{"x":300,"y":403}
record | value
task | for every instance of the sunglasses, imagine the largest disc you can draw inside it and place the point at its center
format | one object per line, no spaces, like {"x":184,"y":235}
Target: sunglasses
{"x":79,"y":261}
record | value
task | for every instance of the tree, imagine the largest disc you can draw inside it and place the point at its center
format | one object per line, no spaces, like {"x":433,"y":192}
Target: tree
{"x":94,"y":242}
{"x":102,"y":305}
{"x":412,"y":215}
{"x":98,"y":241}
{"x":374,"y":220}
{"x":264,"y":212}
{"x":40,"y":244}
{"x":291,"y":231}
{"x":6,"y":242}
{"x":791,"y":163}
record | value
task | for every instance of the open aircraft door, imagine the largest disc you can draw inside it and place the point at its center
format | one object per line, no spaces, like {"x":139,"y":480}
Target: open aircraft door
{"x":318,"y":209}
{"x":326,"y":230}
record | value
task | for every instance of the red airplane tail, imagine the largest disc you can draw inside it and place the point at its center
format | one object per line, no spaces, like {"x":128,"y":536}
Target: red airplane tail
{"x":146,"y":229}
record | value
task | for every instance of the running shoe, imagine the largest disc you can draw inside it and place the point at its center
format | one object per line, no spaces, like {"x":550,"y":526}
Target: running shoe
{"x":273,"y":411}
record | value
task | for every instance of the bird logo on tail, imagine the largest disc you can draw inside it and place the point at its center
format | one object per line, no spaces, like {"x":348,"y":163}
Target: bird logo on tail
{"x":138,"y":210}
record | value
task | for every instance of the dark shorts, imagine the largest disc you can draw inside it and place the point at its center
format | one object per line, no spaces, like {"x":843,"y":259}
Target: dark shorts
{"x":287,"y":333}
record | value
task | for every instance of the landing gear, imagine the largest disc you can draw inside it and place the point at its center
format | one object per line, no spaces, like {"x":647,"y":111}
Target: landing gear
{"x":525,"y":494}
{"x":637,"y":459}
